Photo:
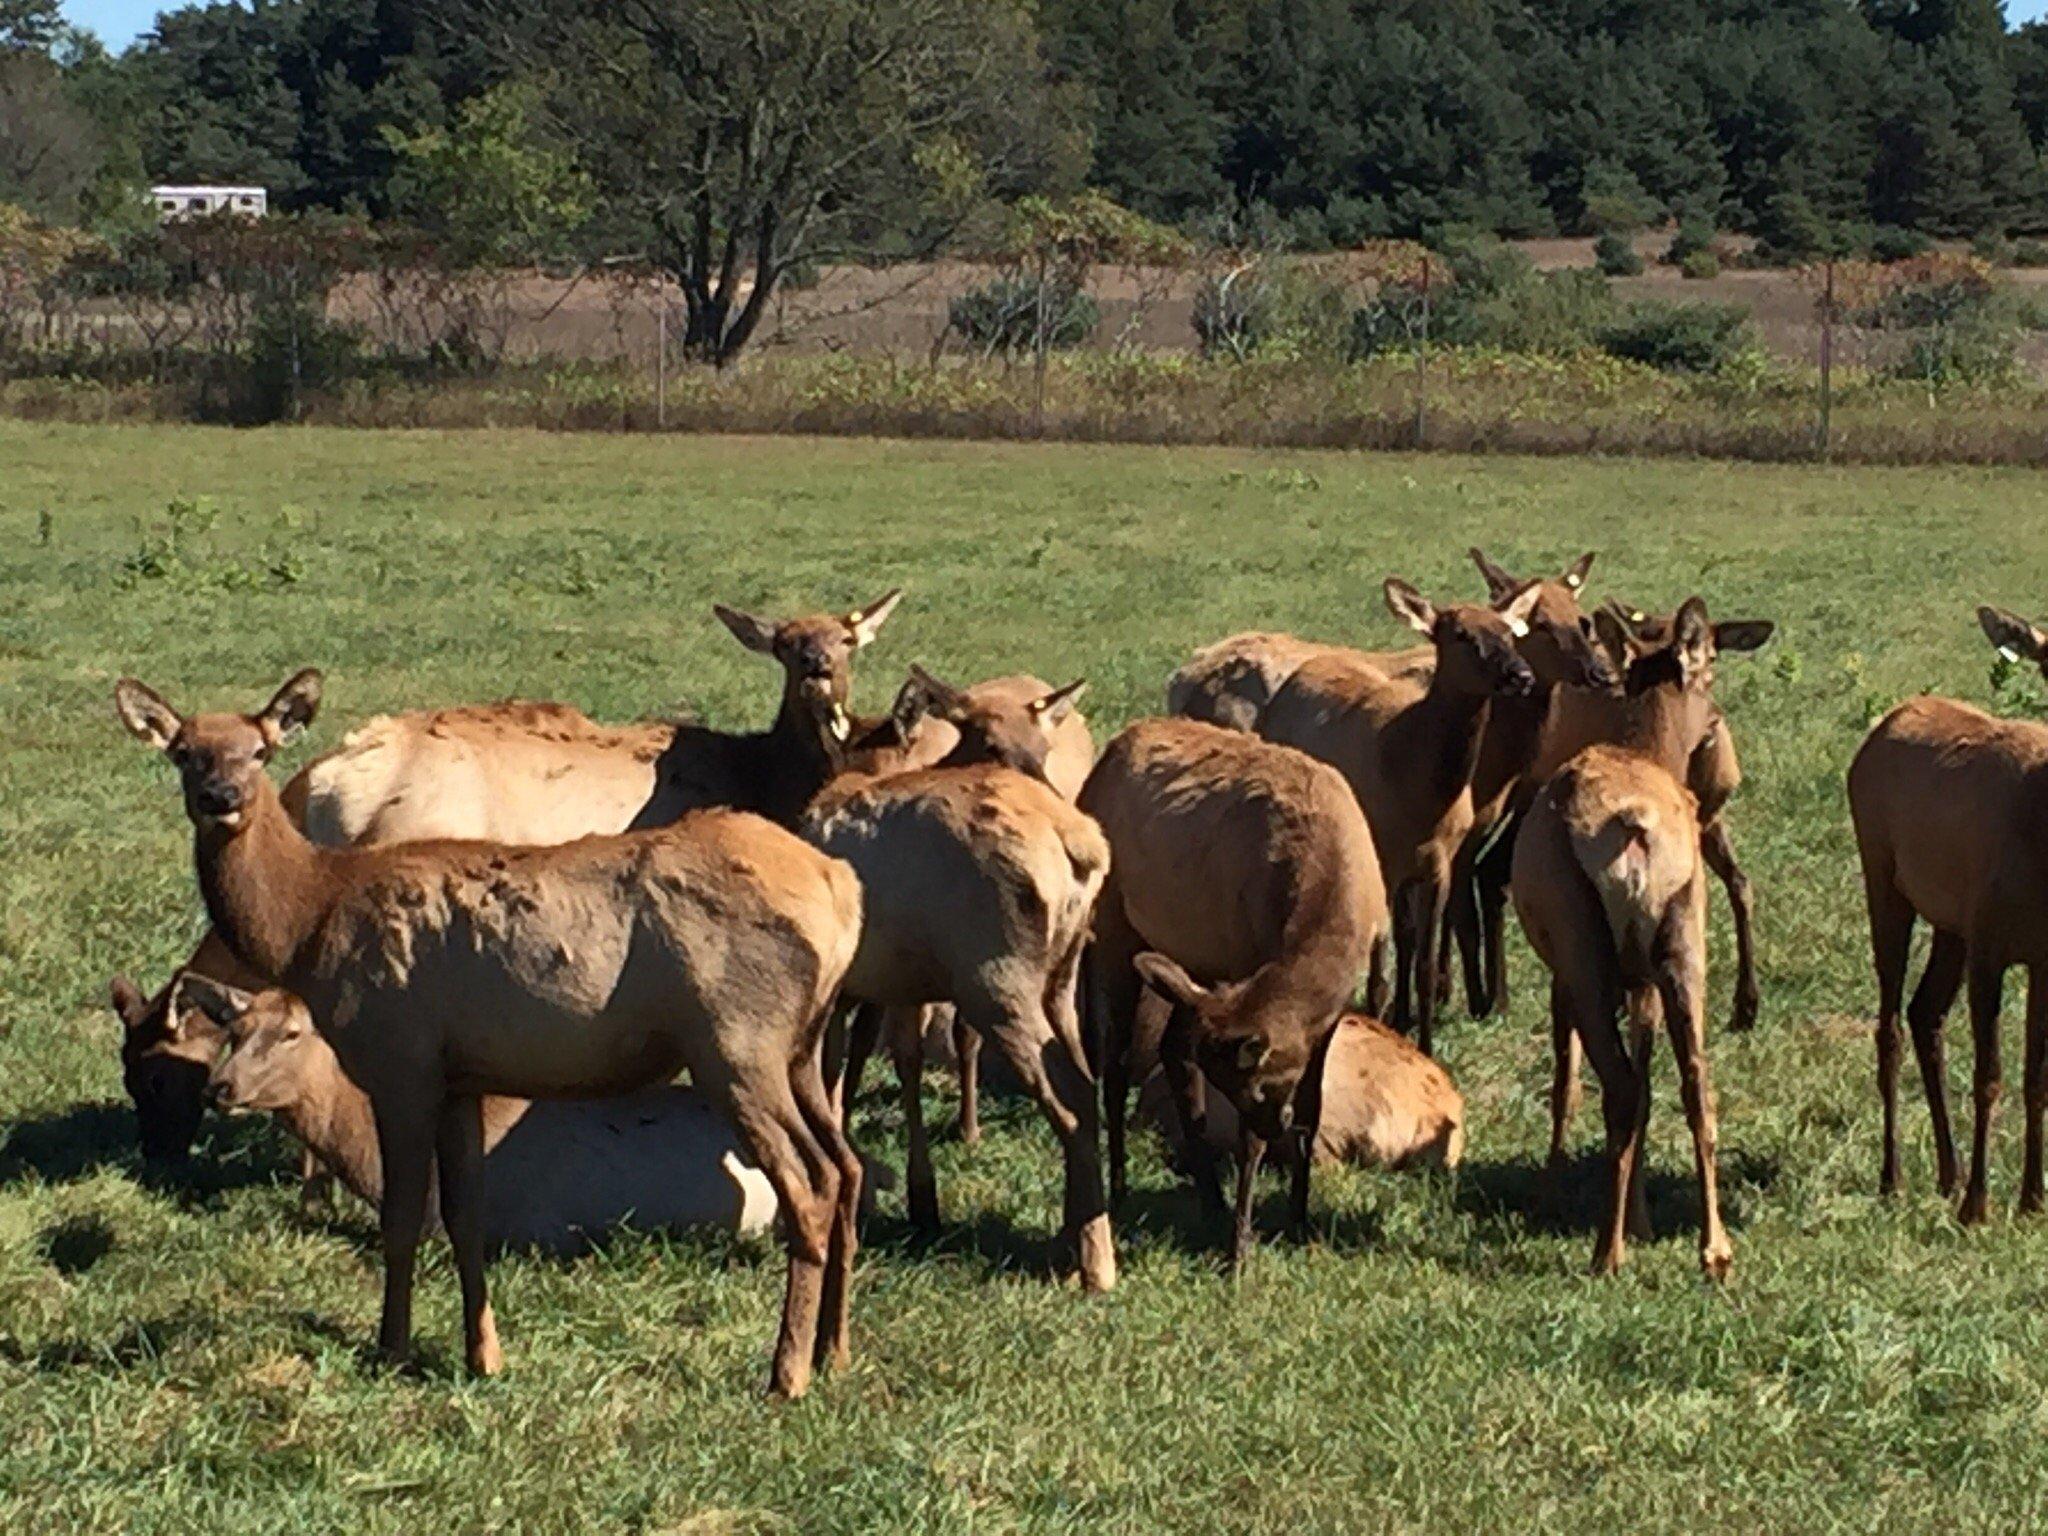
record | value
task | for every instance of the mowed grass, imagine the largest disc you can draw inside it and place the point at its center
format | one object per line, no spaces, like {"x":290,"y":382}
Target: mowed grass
{"x":182,"y":1355}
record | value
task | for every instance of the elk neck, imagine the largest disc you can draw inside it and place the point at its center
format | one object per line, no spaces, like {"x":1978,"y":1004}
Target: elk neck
{"x":266,"y":888}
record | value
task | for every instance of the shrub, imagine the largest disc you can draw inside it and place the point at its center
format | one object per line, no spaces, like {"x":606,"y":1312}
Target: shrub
{"x":2030,"y":253}
{"x":1694,"y":237}
{"x":1700,"y":265}
{"x":1680,"y":338}
{"x":1980,"y":349}
{"x":1616,"y":256}
{"x":1994,"y":247}
{"x":1005,"y":316}
{"x":1497,"y":298}
{"x":1891,"y":243}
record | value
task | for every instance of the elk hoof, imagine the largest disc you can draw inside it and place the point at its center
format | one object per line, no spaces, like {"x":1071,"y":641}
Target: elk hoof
{"x":1717,"y":1260}
{"x":1976,"y":1209}
{"x":1097,"y":1249}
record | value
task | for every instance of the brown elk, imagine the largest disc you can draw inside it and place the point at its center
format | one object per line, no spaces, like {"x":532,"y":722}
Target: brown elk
{"x":1242,"y":888}
{"x":1385,"y":1104}
{"x":442,"y":971}
{"x":1949,"y":807}
{"x":558,"y":1173}
{"x":1607,"y":882}
{"x":979,"y":883}
{"x":528,"y":773}
{"x":1409,"y":749}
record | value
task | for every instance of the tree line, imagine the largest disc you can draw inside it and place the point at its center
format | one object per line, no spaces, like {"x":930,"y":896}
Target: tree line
{"x":737,"y":144}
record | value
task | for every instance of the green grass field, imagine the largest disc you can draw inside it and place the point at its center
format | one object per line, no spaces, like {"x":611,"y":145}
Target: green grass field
{"x":189,"y":1355}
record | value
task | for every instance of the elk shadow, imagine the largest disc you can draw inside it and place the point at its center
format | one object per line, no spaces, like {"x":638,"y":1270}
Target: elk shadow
{"x":1510,"y":1199}
{"x":141,"y":1341}
{"x":89,"y":1139}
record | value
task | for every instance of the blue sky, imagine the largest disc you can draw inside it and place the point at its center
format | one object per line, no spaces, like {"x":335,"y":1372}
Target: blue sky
{"x":118,"y":21}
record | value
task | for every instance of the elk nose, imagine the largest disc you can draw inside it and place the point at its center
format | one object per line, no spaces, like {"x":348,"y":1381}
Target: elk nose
{"x":219,"y":799}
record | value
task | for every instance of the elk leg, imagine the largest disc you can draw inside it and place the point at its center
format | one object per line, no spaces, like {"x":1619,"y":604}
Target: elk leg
{"x":1564,"y":1075}
{"x":1308,"y":1119}
{"x":1684,"y":993}
{"x":863,"y":1030}
{"x":1087,"y":1212}
{"x":1251,"y":1152}
{"x":1623,"y":1100}
{"x":405,"y":1147}
{"x":1642,"y":1040}
{"x":1065,"y":1093}
{"x":1405,"y":963}
{"x":1377,"y":988}
{"x":1928,"y":1015}
{"x":1718,"y":849}
{"x":1891,"y":939}
{"x":905,"y":1028}
{"x":1490,"y":885}
{"x":1430,"y":897}
{"x":967,"y":1050}
{"x":1189,"y":1097}
{"x":771,"y":1127}
{"x":826,"y":1124}
{"x":2035,"y":1088}
{"x":459,"y":1157}
{"x":1987,"y":985}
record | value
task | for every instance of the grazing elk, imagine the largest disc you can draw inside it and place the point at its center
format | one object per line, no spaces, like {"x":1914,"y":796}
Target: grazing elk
{"x":1607,"y":882}
{"x":1409,"y":748}
{"x":442,"y":971}
{"x":558,"y":1174}
{"x":1242,"y":888}
{"x":979,"y":882}
{"x":1950,"y":806}
{"x":1385,"y":1104}
{"x":527,"y":773}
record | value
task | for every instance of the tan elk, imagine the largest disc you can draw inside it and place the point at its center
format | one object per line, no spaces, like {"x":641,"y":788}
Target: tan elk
{"x":558,"y":1173}
{"x":443,"y":971}
{"x":528,"y":773}
{"x":979,"y":882}
{"x":1409,"y":748}
{"x":1607,"y":882}
{"x":1242,"y":888}
{"x":1949,"y":808}
{"x":1385,"y":1104}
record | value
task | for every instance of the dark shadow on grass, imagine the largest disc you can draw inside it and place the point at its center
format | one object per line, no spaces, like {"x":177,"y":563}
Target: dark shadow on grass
{"x":1521,"y":1197}
{"x":73,"y":1247}
{"x":136,"y":1344}
{"x":992,"y":1240}
{"x":428,"y":1362}
{"x":89,"y":1139}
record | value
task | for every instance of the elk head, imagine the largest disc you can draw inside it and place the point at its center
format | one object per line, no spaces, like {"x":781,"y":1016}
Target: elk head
{"x":816,"y":653}
{"x":219,"y":757}
{"x":164,"y":1064}
{"x":1562,"y":647}
{"x":1630,"y":635}
{"x":1255,"y":1064}
{"x":991,"y":731}
{"x":269,"y":1037}
{"x":2016,"y":639}
{"x":1475,"y":647}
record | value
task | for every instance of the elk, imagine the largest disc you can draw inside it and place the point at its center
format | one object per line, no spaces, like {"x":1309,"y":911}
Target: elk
{"x":1243,"y":889}
{"x":442,"y":971}
{"x":979,"y":883}
{"x":528,"y":773}
{"x":1948,"y":803}
{"x":1713,"y":774}
{"x":558,"y":1174}
{"x":1385,"y":1104}
{"x":1409,"y":749}
{"x":1607,"y":882}
{"x":1019,"y":722}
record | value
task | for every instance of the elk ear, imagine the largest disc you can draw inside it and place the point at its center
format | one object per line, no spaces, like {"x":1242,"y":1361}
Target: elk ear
{"x":1516,"y":610}
{"x":223,"y":1004}
{"x":755,"y":634}
{"x":911,"y":705}
{"x":142,"y":709}
{"x":1252,"y":1051}
{"x":1574,"y":577}
{"x":291,"y":709}
{"x":130,"y":1006}
{"x":1410,"y":606}
{"x":1165,"y":977}
{"x":2013,"y":635}
{"x":1615,"y":636}
{"x":1743,"y":634}
{"x":1058,"y":704}
{"x":866,"y":623}
{"x":1498,"y":582}
{"x":941,"y":698}
{"x":1692,"y":640}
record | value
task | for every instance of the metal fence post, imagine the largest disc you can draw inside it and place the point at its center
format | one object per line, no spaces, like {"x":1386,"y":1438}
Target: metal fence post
{"x":1422,"y":365}
{"x":1827,"y":362}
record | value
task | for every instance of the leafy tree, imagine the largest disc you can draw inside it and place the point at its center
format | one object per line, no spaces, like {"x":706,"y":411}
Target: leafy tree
{"x":490,"y":183}
{"x":49,"y":149}
{"x":30,"y":26}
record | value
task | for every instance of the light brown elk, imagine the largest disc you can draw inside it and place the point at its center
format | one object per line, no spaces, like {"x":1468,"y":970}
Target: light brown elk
{"x":1385,"y":1104}
{"x":1713,"y":774}
{"x":558,"y":1173}
{"x":1409,"y":748}
{"x":528,"y":773}
{"x":1950,"y":810}
{"x":1242,"y":888}
{"x":442,"y":971}
{"x":979,"y":882}
{"x":1607,"y":882}
{"x":1019,"y":722}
